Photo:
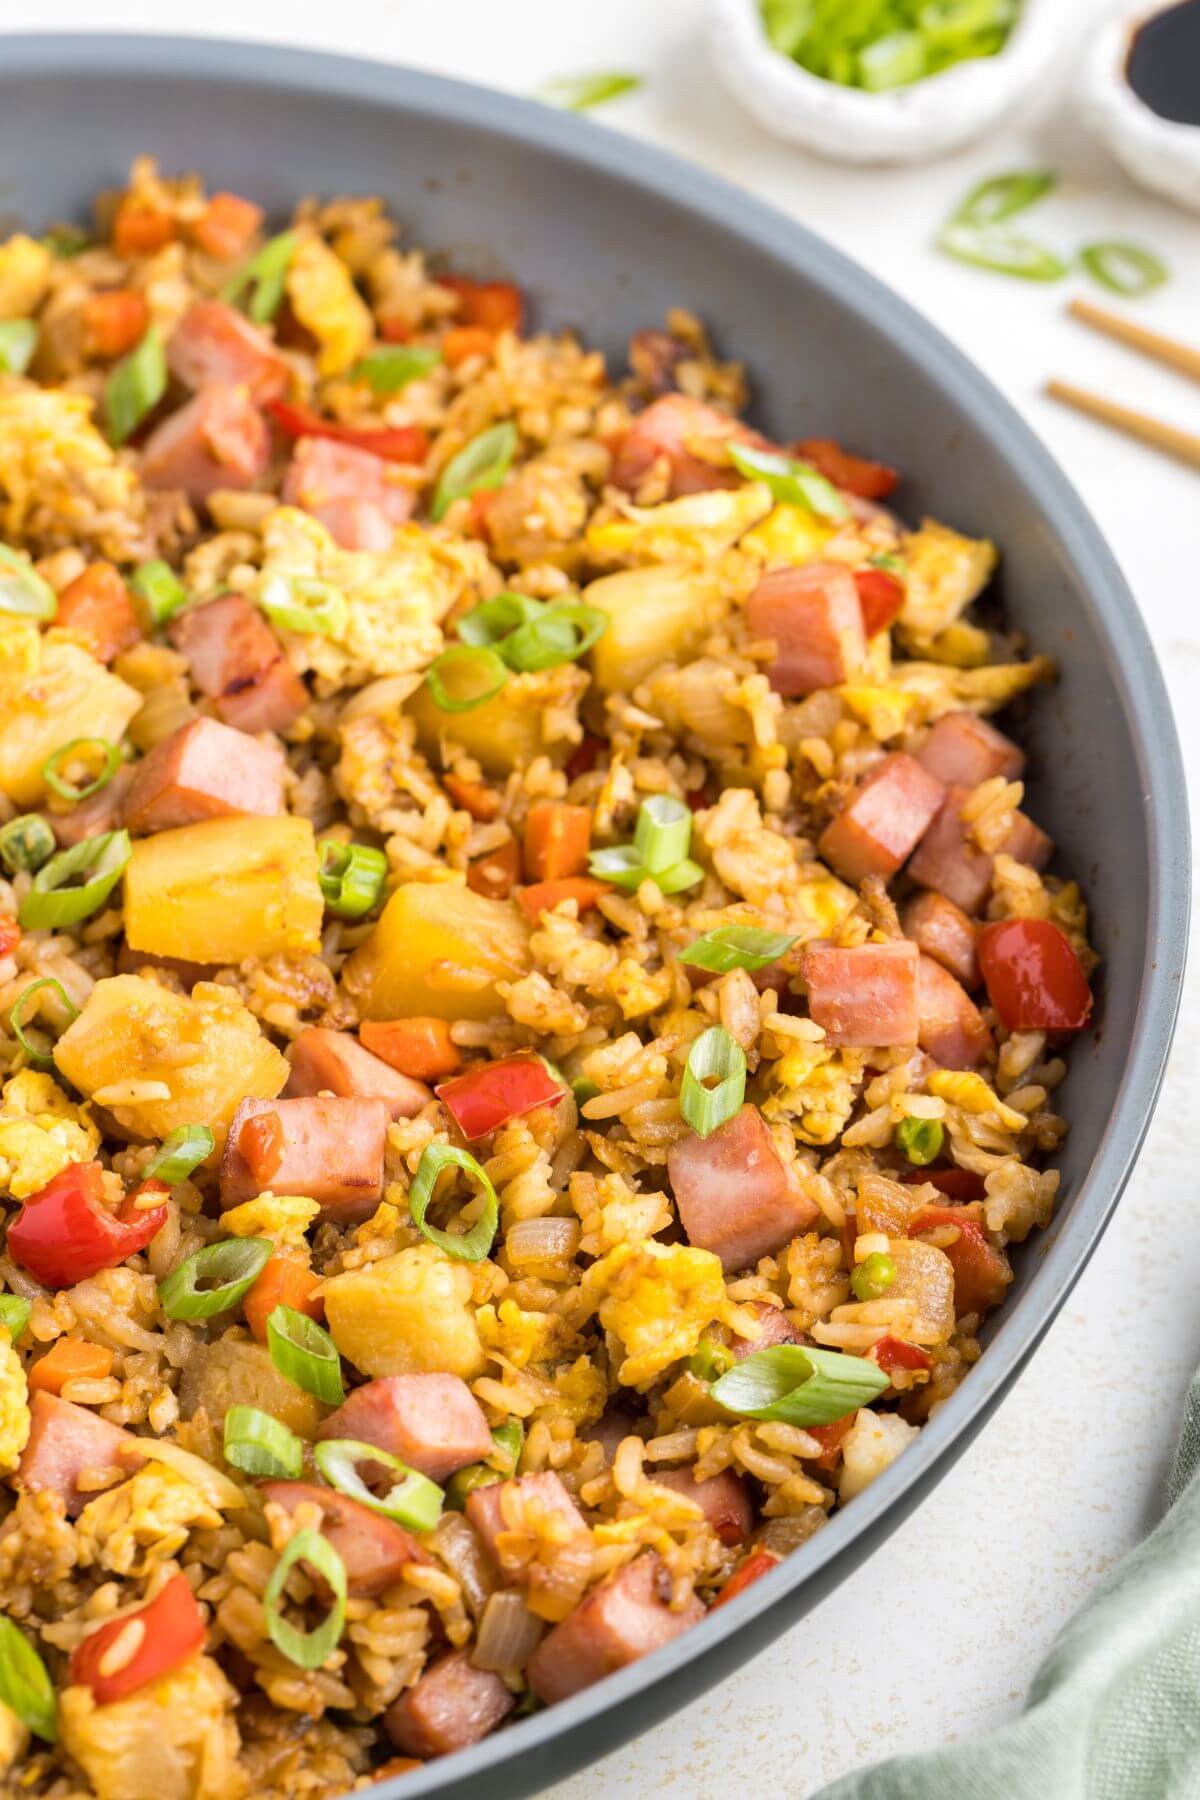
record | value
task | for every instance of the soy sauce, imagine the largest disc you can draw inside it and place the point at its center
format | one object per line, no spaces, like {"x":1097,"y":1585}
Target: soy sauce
{"x":1163,"y":67}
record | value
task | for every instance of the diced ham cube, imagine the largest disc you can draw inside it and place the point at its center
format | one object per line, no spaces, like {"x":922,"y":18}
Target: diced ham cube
{"x":949,"y":862}
{"x":963,"y":750}
{"x":774,"y":1328}
{"x":866,"y":997}
{"x":99,"y":813}
{"x":452,"y":1705}
{"x":610,"y":1432}
{"x":329,"y":1150}
{"x":942,"y":930}
{"x":235,"y":658}
{"x":68,"y":1441}
{"x":353,"y":493}
{"x":616,"y":1624}
{"x":951,"y":1028}
{"x":1028,"y":843}
{"x":724,"y":1499}
{"x":431,"y":1422}
{"x":813,"y":615}
{"x":205,"y":770}
{"x":487,"y":1507}
{"x":334,"y":1062}
{"x":885,"y":819}
{"x":218,"y":440}
{"x":215,"y":344}
{"x":373,"y":1549}
{"x":735,"y":1194}
{"x":680,"y":430}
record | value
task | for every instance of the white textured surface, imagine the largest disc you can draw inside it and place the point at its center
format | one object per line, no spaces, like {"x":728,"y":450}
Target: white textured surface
{"x":937,"y":1635}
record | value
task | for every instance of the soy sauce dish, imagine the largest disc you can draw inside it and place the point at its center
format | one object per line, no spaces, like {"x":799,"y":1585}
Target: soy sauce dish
{"x":601,"y":236}
{"x":1141,"y":94}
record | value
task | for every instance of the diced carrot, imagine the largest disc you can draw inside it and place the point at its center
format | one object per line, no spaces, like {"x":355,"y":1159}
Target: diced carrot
{"x":495,"y":873}
{"x":226,"y":226}
{"x":544,"y":896}
{"x":496,"y":305}
{"x":260,"y":1142}
{"x":749,"y":1570}
{"x":483,"y":803}
{"x":395,"y":331}
{"x":98,"y":606}
{"x":419,"y":1047}
{"x":283,"y":1282}
{"x":462,"y":341}
{"x":478,"y":512}
{"x":114,"y":321}
{"x":10,"y":935}
{"x":557,"y":838}
{"x":140,"y":231}
{"x":70,"y":1359}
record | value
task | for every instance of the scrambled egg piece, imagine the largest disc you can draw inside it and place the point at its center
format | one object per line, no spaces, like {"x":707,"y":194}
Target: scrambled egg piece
{"x":697,"y":527}
{"x":55,"y":464}
{"x":886,"y":711}
{"x":40,"y":1133}
{"x":143,"y":1521}
{"x":14,"y":1408}
{"x":25,"y":267}
{"x":873,"y":1442}
{"x":521,"y":1337}
{"x":407,"y":1313}
{"x":819,"y":900}
{"x":945,"y":573}
{"x":973,"y":1095}
{"x":788,"y":536}
{"x":327,"y":303}
{"x":656,"y":1299}
{"x":283,"y":1217}
{"x":938,"y":688}
{"x":174,"y":1739}
{"x":816,"y":1091}
{"x":20,"y":651}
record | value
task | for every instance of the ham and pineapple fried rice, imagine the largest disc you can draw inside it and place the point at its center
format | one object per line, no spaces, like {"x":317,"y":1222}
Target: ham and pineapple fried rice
{"x":531,"y":1008}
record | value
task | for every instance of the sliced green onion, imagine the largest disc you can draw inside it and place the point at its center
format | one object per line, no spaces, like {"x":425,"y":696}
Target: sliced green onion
{"x":736,"y":947}
{"x":890,"y":564}
{"x":920,"y":1139}
{"x":304,"y":1352}
{"x":583,"y":1090}
{"x":265,"y":275}
{"x":578,"y":93}
{"x":896,"y":60}
{"x":464,"y":676}
{"x":260,"y":1445}
{"x":387,"y":370}
{"x":14,"y":1314}
{"x":66,"y":241}
{"x":25,"y":1686}
{"x":620,"y":864}
{"x":17,"y":1016}
{"x":483,"y":463}
{"x":414,"y":1501}
{"x":25,"y":843}
{"x":351,"y":877}
{"x":710,"y":1360}
{"x":182,"y":1151}
{"x":232,"y":1266}
{"x":873,"y":1276}
{"x":160,"y":588}
{"x":797,"y":483}
{"x":685,"y":874}
{"x":18,"y":340}
{"x":135,"y":387}
{"x":1000,"y":251}
{"x":509,"y":1441}
{"x":1000,"y":196}
{"x":562,"y":632}
{"x":1123,"y":268}
{"x":798,"y":1385}
{"x":50,"y":902}
{"x":307,"y":1649}
{"x":95,"y":749}
{"x":302,"y":603}
{"x":714,"y":1054}
{"x":23,"y":593}
{"x":663,"y":833}
{"x":496,"y":619}
{"x":474,"y":1246}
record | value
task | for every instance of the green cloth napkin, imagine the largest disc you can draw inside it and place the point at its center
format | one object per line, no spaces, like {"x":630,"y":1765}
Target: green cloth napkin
{"x":1114,"y":1711}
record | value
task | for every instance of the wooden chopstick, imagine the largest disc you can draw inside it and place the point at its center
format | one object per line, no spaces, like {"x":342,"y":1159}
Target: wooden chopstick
{"x":1183,"y":445}
{"x":1153,"y":344}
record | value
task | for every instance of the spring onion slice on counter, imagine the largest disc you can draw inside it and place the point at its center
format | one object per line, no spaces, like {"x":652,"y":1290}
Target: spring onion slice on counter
{"x":351,"y":877}
{"x":715,"y":1055}
{"x":483,"y":463}
{"x":16,"y":1017}
{"x":304,"y":1352}
{"x":23,"y":593}
{"x":26,"y":842}
{"x":789,"y":480}
{"x":264,"y":275}
{"x":135,"y":386}
{"x":577,"y":93}
{"x":920,"y":1139}
{"x":1000,"y":196}
{"x":413,"y":1501}
{"x":1001,"y":251}
{"x":100,"y":750}
{"x":233,"y":1265}
{"x":474,"y":1246}
{"x":799,"y":1385}
{"x":387,"y":370}
{"x":14,"y":1314}
{"x":182,"y":1151}
{"x":307,"y":1649}
{"x":160,"y":589}
{"x":1123,"y":268}
{"x":260,"y":1445}
{"x":51,"y":901}
{"x":18,"y":339}
{"x":736,"y":947}
{"x":25,"y":1686}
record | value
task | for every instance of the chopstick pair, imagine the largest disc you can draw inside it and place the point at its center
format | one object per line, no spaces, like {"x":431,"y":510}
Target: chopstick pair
{"x":1184,"y":446}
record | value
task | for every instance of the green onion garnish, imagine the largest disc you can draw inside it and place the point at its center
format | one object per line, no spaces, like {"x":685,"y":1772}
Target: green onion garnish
{"x":260,"y":1445}
{"x":265,"y":275}
{"x":304,"y":1352}
{"x":884,"y":44}
{"x":920,"y":1139}
{"x":1000,"y":196}
{"x":232,"y":1266}
{"x":577,"y":93}
{"x":583,"y":1090}
{"x":414,"y":1501}
{"x":25,"y":1686}
{"x":873,"y":1276}
{"x":799,"y":1385}
{"x":50,"y":902}
{"x":483,"y":463}
{"x":1123,"y":268}
{"x":101,"y":750}
{"x":663,"y":833}
{"x":1001,"y":251}
{"x":25,"y":843}
{"x":181,"y":1152}
{"x":464,"y":676}
{"x":351,"y":877}
{"x":796,"y":482}
{"x":157,"y":584}
{"x":18,"y":340}
{"x":14,"y":1314}
{"x":307,"y":1649}
{"x":715,"y":1054}
{"x":302,"y":603}
{"x":509,"y":1440}
{"x":710,"y":1360}
{"x":561,"y":632}
{"x":17,"y":1016}
{"x":65,"y":241}
{"x":496,"y":619}
{"x":22,"y":590}
{"x":135,"y":387}
{"x":387,"y":370}
{"x":736,"y":947}
{"x":476,"y":1243}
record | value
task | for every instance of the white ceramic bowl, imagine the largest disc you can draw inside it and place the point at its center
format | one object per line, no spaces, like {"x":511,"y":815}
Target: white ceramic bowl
{"x":1159,"y":153}
{"x":902,"y":125}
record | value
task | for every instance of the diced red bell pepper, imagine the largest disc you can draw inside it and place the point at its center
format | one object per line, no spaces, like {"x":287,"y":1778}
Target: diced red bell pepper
{"x":981,"y":1272}
{"x":856,"y":474}
{"x":759,"y":1562}
{"x":1033,"y":976}
{"x":65,"y":1233}
{"x":113,"y":321}
{"x":10,"y":936}
{"x":893,"y":1353}
{"x":479,"y":509}
{"x":482,"y":1100}
{"x":584,"y":757}
{"x":956,"y":1184}
{"x":172,"y":1629}
{"x":396,"y":443}
{"x":881,"y":595}
{"x":494,"y":305}
{"x":830,"y":1438}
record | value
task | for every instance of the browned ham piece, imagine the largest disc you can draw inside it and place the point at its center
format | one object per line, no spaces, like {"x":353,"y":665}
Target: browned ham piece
{"x":68,"y":1441}
{"x":332,"y":1152}
{"x":814,"y":616}
{"x":205,"y":770}
{"x":952,"y":1030}
{"x":485,"y":1507}
{"x":217,"y":440}
{"x":214,"y":343}
{"x":373,"y":1549}
{"x":353,"y":492}
{"x":724,"y":1500}
{"x":735,"y":1194}
{"x":884,"y":820}
{"x":942,"y":930}
{"x":949,"y":862}
{"x":99,"y":813}
{"x":626,"y":1618}
{"x":864,"y":997}
{"x":235,"y":659}
{"x":963,"y":750}
{"x":431,"y":1422}
{"x":678,"y":429}
{"x":334,"y":1062}
{"x":453,"y":1704}
{"x":774,"y":1328}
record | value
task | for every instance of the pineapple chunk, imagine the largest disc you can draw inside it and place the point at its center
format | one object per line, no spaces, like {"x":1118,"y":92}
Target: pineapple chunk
{"x":503,"y":734}
{"x":656,"y":615}
{"x":225,"y":890}
{"x":233,"y":1370}
{"x":438,"y":948}
{"x":69,"y":695}
{"x":180,"y":1060}
{"x":176,"y":1738}
{"x":788,"y":535}
{"x":406,"y":1314}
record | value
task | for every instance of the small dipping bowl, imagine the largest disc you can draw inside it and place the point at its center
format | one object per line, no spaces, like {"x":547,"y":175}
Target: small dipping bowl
{"x":1141,"y":96}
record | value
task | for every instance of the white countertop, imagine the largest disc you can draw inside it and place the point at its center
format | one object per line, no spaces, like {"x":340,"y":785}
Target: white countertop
{"x":937,"y":1635}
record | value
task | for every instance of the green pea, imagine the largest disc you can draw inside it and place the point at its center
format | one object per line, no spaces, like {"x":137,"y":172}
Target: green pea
{"x":873,"y":1276}
{"x":920,"y":1139}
